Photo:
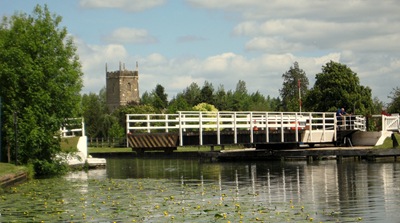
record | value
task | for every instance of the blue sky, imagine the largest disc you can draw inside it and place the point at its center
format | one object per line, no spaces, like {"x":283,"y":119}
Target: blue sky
{"x":180,"y":42}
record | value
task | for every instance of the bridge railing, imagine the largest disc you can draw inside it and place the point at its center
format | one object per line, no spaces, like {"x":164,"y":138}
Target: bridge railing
{"x":391,"y":123}
{"x":265,"y":122}
{"x":73,"y":127}
{"x":352,"y":122}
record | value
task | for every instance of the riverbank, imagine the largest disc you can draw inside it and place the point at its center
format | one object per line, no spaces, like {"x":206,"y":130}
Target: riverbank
{"x":11,"y":174}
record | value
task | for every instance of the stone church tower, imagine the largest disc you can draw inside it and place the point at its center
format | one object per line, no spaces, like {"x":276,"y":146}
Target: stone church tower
{"x":122,"y":87}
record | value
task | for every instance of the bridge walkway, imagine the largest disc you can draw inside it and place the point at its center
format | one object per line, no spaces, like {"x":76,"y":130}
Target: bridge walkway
{"x":259,"y":129}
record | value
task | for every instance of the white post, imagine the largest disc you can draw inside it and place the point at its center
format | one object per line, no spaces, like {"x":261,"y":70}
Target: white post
{"x":127,"y":130}
{"x":180,"y":130}
{"x":218,"y":130}
{"x":200,"y":129}
{"x":251,"y":127}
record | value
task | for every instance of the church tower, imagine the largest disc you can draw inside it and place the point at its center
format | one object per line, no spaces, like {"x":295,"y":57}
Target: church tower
{"x":122,"y":87}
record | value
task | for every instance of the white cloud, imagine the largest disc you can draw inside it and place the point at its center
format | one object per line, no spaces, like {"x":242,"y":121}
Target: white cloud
{"x":262,"y":73}
{"x":94,"y":58}
{"x":275,"y":45}
{"x":366,"y":10}
{"x":130,"y":35}
{"x":362,"y":34}
{"x":126,"y":5}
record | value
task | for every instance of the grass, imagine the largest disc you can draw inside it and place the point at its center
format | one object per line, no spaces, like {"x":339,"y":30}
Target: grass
{"x":8,"y":168}
{"x":69,"y":144}
{"x":388,"y":143}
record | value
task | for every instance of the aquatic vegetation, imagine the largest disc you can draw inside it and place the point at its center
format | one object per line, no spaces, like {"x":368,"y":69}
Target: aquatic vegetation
{"x":146,"y":200}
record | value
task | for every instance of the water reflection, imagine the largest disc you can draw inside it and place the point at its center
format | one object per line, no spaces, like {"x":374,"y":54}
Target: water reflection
{"x":350,"y":189}
{"x":147,"y":190}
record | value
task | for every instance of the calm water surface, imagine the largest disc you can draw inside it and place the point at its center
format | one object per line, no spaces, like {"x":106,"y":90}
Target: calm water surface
{"x":186,"y":190}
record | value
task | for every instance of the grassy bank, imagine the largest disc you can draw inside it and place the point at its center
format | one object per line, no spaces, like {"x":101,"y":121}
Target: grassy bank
{"x":11,"y":174}
{"x":388,"y":143}
{"x":7,"y":168}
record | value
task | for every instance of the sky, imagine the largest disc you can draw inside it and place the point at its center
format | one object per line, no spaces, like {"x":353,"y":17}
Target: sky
{"x":180,"y":42}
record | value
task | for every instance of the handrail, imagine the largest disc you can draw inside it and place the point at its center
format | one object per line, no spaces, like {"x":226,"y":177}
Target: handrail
{"x":391,"y":123}
{"x":255,"y":122}
{"x":73,"y":126}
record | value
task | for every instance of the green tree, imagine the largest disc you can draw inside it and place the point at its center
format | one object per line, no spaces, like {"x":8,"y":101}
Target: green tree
{"x":146,"y":99}
{"x":394,"y":104}
{"x":160,"y":98}
{"x":116,"y":131}
{"x":204,"y":107}
{"x":338,"y":86}
{"x":192,"y":94}
{"x":93,"y":110}
{"x":121,"y":112}
{"x":220,"y":99}
{"x":178,"y":103}
{"x":41,"y":79}
{"x":240,"y":98}
{"x":157,"y":98}
{"x":259,"y":103}
{"x":206,"y":93}
{"x":294,"y":79}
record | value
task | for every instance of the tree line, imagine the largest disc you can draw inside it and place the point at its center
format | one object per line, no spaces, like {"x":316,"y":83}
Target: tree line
{"x":336,"y":86}
{"x":41,"y":81}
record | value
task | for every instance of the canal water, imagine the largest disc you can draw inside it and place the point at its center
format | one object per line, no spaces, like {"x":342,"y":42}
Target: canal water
{"x":187,"y":190}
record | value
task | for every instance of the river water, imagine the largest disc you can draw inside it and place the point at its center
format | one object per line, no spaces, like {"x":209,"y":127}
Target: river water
{"x":187,"y":190}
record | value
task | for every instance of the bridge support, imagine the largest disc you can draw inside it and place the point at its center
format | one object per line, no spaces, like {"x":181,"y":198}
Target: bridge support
{"x":394,"y":139}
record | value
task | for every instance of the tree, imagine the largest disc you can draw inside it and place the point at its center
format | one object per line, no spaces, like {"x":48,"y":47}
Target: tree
{"x":293,"y":80}
{"x":394,"y":105}
{"x":338,"y":86}
{"x":94,"y":109}
{"x":41,"y":79}
{"x":220,"y":99}
{"x":205,"y":107}
{"x":206,"y":93}
{"x":146,"y":99}
{"x":192,"y":94}
{"x":157,"y":98}
{"x":259,"y":103}
{"x":240,"y":98}
{"x":178,"y":104}
{"x":160,"y":98}
{"x":121,"y":112}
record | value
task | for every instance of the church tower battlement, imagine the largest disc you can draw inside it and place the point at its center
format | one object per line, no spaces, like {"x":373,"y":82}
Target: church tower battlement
{"x":122,"y":87}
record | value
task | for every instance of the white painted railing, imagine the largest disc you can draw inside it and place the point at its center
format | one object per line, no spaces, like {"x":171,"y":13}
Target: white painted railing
{"x":352,"y":122}
{"x":391,"y":123}
{"x":73,"y":127}
{"x":266,"y":122}
{"x":214,"y":121}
